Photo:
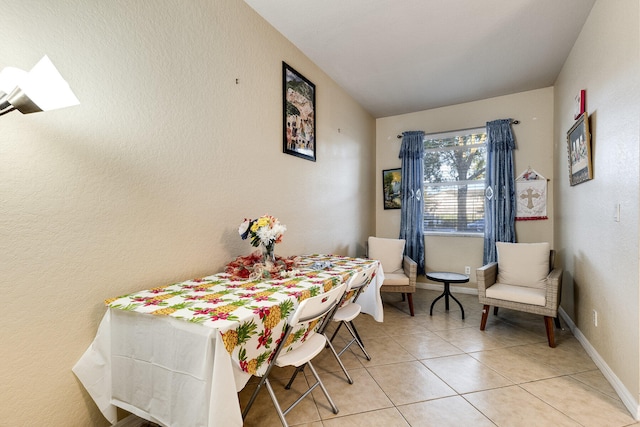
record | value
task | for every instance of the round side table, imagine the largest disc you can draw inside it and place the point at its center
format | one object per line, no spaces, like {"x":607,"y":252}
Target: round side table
{"x":447,"y":278}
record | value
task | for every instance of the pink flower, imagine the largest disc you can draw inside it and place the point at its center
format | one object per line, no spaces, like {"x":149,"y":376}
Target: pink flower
{"x":262,"y":312}
{"x":220,"y":316}
{"x":264,"y":339}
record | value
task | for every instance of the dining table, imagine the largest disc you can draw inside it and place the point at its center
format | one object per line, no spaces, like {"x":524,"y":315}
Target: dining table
{"x":178,"y":354}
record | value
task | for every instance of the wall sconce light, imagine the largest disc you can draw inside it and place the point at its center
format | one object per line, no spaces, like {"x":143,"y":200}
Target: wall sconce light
{"x":41,"y":89}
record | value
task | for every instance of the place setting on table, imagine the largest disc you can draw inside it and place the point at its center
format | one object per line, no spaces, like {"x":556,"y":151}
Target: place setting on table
{"x":179,"y":353}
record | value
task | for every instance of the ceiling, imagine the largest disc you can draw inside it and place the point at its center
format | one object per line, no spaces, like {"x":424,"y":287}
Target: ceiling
{"x":400,"y":56}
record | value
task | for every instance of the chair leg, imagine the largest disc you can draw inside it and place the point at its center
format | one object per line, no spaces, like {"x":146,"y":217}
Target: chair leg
{"x":548,"y":322}
{"x":252,"y":399}
{"x":557,"y":321}
{"x":485,"y":315}
{"x":356,"y":340}
{"x":336,"y":331}
{"x":318,"y":382}
{"x":410,"y":298}
{"x":355,"y":331}
{"x":324,"y":390}
{"x":293,"y":377}
{"x":276,"y":403}
{"x":305,"y":394}
{"x":333,"y":350}
{"x":495,"y":311}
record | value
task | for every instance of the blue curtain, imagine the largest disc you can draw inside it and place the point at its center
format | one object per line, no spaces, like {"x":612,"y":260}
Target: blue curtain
{"x":412,"y":208}
{"x":500,"y":194}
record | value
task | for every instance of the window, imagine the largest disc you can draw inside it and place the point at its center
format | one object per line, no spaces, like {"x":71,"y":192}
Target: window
{"x":454,"y":172}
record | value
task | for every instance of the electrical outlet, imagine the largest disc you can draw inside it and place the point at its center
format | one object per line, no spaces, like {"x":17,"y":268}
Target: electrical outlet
{"x":467,"y":270}
{"x":595,"y":318}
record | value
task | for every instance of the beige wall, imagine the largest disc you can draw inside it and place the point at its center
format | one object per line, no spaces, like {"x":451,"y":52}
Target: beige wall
{"x":534,"y":140}
{"x":146,"y":182}
{"x":600,"y":256}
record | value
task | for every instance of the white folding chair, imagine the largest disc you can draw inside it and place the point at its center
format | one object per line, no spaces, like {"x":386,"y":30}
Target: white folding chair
{"x":344,"y":313}
{"x":348,"y":311}
{"x":309,"y":310}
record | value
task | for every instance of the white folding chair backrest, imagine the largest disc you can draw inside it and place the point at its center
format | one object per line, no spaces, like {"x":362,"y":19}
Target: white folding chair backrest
{"x":362,"y":277}
{"x":309,"y":310}
{"x":359,"y":281}
{"x":316,"y":307}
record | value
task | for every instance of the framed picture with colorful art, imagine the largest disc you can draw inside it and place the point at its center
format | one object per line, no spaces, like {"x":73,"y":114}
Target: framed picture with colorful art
{"x":299,"y":113}
{"x":579,"y":149}
{"x":391,"y":179}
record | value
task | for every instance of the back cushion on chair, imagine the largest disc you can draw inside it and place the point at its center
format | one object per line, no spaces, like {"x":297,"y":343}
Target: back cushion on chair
{"x":389,"y":252}
{"x":523,"y":264}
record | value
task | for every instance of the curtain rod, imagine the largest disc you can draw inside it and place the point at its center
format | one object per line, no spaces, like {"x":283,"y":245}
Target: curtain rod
{"x":513,"y":122}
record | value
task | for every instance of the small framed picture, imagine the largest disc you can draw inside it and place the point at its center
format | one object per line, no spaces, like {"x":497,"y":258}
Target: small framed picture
{"x":579,"y":104}
{"x":299,"y":113}
{"x":579,"y":149}
{"x":391,"y":179}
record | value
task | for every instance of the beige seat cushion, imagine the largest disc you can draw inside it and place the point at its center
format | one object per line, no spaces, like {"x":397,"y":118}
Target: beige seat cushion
{"x":521,"y":294}
{"x":523,"y":264}
{"x":397,"y":278}
{"x":389,"y":252}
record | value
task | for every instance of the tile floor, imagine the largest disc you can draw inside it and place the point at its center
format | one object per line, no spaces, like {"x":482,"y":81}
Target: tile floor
{"x":441,"y":370}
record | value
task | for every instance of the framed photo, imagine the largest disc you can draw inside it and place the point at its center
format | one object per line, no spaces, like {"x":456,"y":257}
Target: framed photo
{"x":391,"y":180}
{"x":299,"y":113}
{"x":579,"y":149}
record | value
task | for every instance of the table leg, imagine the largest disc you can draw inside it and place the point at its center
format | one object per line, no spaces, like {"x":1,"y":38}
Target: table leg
{"x":434,"y":303}
{"x":446,"y":296}
{"x":446,"y":293}
{"x":461,"y":308}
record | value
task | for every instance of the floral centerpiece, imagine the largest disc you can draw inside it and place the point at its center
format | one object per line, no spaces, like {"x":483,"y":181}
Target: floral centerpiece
{"x":264,"y":232}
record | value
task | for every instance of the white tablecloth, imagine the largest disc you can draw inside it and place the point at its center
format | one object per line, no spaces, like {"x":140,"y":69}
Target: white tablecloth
{"x":169,"y":371}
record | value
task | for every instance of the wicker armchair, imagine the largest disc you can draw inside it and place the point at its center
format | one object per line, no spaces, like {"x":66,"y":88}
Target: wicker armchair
{"x":523,"y":279}
{"x":400,"y":271}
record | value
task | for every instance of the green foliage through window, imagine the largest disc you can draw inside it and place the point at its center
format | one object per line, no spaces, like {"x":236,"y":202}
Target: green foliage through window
{"x":454,"y":172}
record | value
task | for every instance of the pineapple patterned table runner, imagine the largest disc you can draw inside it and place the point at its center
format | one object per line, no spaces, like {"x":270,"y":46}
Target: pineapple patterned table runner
{"x":249,"y":314}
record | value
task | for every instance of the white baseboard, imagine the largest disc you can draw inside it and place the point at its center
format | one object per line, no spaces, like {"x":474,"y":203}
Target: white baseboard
{"x":439,"y":287}
{"x":627,"y":398}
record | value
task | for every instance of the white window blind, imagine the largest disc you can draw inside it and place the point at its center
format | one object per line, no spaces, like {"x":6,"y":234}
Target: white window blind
{"x":454,"y":172}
